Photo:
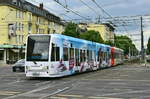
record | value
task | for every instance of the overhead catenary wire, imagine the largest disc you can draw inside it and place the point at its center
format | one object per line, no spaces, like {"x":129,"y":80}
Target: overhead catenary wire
{"x":76,"y":13}
{"x":50,"y":9}
{"x":103,"y":10}
{"x":89,"y":6}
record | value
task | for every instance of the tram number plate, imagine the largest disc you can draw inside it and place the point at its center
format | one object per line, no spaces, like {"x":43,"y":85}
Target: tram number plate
{"x":35,"y":74}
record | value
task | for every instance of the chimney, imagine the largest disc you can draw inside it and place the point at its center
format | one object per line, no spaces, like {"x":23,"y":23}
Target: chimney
{"x":41,"y":5}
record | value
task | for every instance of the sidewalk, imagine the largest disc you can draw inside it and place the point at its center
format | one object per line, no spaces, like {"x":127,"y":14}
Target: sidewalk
{"x":142,"y":64}
{"x":4,"y":65}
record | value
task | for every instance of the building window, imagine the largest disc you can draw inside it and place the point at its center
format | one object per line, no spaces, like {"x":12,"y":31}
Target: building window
{"x":14,"y":2}
{"x":48,"y":30}
{"x":22,"y":27}
{"x":17,"y":39}
{"x":29,"y":28}
{"x":56,"y":27}
{"x":19,"y":27}
{"x":29,"y":16}
{"x":38,"y":20}
{"x":17,"y":13}
{"x":37,"y":29}
{"x":1,"y":55}
{"x":12,"y":30}
{"x":16,"y":25}
{"x":21,"y":14}
{"x":41,"y":31}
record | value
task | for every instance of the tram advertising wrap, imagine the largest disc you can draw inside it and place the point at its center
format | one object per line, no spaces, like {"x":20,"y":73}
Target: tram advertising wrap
{"x":56,"y":55}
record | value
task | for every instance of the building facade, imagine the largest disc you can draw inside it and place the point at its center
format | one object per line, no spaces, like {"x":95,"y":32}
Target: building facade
{"x":106,"y":30}
{"x":18,"y":18}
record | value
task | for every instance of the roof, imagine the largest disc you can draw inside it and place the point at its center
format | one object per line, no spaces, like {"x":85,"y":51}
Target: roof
{"x":27,"y":6}
{"x":109,"y":25}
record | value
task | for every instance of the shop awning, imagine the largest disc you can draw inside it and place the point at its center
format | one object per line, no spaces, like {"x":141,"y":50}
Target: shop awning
{"x":12,"y":46}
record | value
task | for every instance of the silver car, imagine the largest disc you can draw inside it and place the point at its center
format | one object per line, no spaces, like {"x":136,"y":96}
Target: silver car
{"x":19,"y":66}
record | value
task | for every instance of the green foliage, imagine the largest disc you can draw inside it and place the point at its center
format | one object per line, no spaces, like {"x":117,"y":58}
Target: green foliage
{"x":92,"y":36}
{"x":109,"y":43}
{"x":126,"y":44}
{"x":148,"y":47}
{"x":122,"y":42}
{"x":71,"y":30}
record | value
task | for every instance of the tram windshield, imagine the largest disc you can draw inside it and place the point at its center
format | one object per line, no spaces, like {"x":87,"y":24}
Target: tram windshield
{"x":38,"y":48}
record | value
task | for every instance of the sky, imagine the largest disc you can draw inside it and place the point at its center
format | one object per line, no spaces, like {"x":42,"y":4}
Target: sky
{"x":114,"y":8}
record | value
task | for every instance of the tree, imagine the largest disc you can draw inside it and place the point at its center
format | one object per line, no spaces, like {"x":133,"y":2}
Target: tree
{"x":71,"y":30}
{"x":148,"y":46}
{"x":92,"y":35}
{"x":109,"y":43}
{"x":126,"y":44}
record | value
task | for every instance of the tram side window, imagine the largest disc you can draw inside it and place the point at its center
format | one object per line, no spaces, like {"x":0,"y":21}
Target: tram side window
{"x":77,"y":57}
{"x":82,"y":55}
{"x":116,"y":55}
{"x":105,"y":56}
{"x":88,"y":58}
{"x":65,"y":53}
{"x":108,"y":56}
{"x":98,"y":57}
{"x":102,"y":56}
{"x":71,"y":53}
{"x":90,"y":55}
{"x":94,"y":55}
{"x":55,"y":53}
{"x":112,"y":55}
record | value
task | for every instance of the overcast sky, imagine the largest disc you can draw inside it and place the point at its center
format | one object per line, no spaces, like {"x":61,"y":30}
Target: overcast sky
{"x":112,"y":7}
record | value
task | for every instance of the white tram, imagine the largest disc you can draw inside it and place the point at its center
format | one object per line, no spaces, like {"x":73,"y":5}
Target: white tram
{"x":55,"y":55}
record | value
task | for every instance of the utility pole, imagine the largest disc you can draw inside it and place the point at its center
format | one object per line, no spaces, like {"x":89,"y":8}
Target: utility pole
{"x":99,"y":20}
{"x":142,"y":40}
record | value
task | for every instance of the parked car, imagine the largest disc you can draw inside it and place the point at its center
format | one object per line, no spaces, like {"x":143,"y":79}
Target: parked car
{"x":19,"y":66}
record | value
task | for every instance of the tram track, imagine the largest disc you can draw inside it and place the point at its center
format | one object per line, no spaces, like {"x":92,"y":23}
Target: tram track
{"x":67,"y":84}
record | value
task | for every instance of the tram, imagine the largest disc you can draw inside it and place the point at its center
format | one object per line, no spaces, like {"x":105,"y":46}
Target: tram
{"x":56,"y":55}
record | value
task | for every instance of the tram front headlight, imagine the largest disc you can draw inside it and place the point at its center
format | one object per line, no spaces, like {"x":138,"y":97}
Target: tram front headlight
{"x":45,"y":68}
{"x":27,"y":67}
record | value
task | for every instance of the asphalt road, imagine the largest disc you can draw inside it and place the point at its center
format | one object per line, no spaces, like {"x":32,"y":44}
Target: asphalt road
{"x":122,"y":82}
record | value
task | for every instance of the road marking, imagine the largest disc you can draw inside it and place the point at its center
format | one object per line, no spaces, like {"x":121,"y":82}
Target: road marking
{"x":58,"y":98}
{"x":58,"y":91}
{"x":127,"y":92}
{"x":117,"y":79}
{"x":18,"y":81}
{"x":103,"y":98}
{"x":65,"y":95}
{"x":8,"y":93}
{"x":39,"y":89}
{"x":42,"y":83}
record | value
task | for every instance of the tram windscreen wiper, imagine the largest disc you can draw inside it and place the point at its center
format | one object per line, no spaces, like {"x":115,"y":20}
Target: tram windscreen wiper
{"x":34,"y":62}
